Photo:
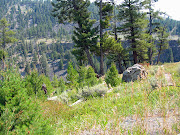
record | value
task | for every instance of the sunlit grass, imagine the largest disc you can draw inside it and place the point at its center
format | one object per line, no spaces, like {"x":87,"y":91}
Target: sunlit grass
{"x":119,"y":111}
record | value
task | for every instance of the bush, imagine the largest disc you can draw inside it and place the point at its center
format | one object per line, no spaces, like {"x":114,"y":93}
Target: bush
{"x":61,"y":85}
{"x":91,"y":79}
{"x":153,"y":82}
{"x":97,"y":90}
{"x":82,"y":76}
{"x":19,"y":113}
{"x":72,"y":75}
{"x":64,"y":97}
{"x":112,"y":76}
{"x":34,"y":82}
{"x":55,"y":81}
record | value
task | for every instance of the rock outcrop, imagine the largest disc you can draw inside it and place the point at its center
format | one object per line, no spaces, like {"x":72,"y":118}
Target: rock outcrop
{"x":134,"y":72}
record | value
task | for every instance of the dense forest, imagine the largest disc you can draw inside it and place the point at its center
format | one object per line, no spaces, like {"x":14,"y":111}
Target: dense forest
{"x":73,"y":51}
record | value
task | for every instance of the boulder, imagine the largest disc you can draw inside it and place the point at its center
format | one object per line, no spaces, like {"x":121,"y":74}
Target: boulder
{"x":134,"y":72}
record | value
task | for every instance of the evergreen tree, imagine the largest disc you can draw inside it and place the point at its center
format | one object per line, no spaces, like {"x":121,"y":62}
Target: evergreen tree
{"x":72,"y":75}
{"x":45,"y":67}
{"x":91,"y":79}
{"x":28,"y":69}
{"x":55,"y":82}
{"x":61,"y":85}
{"x":82,"y":76}
{"x":6,"y":36}
{"x":162,"y":38}
{"x":152,"y":25}
{"x":171,"y":55}
{"x":85,"y":36}
{"x":133,"y":27}
{"x":19,"y":113}
{"x":112,"y":76}
{"x":61,"y":64}
{"x":105,"y":14}
{"x":35,"y":58}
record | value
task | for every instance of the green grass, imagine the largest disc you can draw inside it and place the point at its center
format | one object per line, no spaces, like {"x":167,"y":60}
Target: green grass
{"x":137,"y":100}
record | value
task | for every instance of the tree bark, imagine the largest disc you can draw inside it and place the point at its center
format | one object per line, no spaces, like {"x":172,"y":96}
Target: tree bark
{"x":90,"y":60}
{"x":101,"y":44}
{"x":150,"y":33}
{"x":133,"y":41}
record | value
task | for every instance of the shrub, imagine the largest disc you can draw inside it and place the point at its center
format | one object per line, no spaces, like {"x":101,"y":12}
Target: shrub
{"x":34,"y":82}
{"x":64,"y":97}
{"x":153,"y":82}
{"x":61,"y":85}
{"x":55,"y":82}
{"x":19,"y":113}
{"x":112,"y":76}
{"x":97,"y":90}
{"x":82,"y":76}
{"x":91,"y":77}
{"x":72,"y":75}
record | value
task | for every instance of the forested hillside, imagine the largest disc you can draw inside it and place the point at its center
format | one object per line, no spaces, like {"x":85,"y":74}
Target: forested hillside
{"x":76,"y":67}
{"x":45,"y":44}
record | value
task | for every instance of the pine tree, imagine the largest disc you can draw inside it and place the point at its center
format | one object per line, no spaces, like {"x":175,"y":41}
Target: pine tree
{"x":105,"y":14}
{"x":171,"y":55}
{"x":91,"y":79}
{"x":162,"y":38}
{"x":55,"y":82}
{"x":133,"y":27}
{"x":82,"y":76}
{"x":19,"y":112}
{"x":35,"y":58}
{"x":152,"y":25}
{"x":61,"y":85}
{"x":6,"y":36}
{"x":85,"y":36}
{"x":61,"y":65}
{"x":28,"y":69}
{"x":45,"y":68}
{"x":72,"y":75}
{"x":112,"y":77}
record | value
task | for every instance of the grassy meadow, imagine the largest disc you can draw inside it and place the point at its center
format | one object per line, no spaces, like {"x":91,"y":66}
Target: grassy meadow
{"x":147,"y":106}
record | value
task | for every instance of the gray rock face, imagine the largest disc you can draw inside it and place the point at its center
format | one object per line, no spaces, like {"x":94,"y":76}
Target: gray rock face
{"x":134,"y":72}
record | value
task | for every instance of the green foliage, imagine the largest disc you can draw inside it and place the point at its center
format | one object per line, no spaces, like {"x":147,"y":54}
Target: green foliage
{"x":85,"y":35}
{"x":2,"y":54}
{"x":72,"y":75}
{"x":133,"y":27}
{"x":82,"y":76}
{"x":95,"y":91}
{"x":162,"y":38}
{"x":34,"y":84}
{"x":107,"y":11}
{"x":112,"y":77}
{"x":28,"y":69}
{"x":7,"y":35}
{"x":61,"y":64}
{"x":45,"y":68}
{"x":62,"y":86}
{"x":19,"y":113}
{"x":91,"y":79}
{"x":55,"y":82}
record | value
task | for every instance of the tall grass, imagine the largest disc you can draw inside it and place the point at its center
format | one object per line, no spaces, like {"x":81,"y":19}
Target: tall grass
{"x":142,"y":107}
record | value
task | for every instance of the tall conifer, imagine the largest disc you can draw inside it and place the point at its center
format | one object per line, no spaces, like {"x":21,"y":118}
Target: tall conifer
{"x":85,"y":36}
{"x":133,"y":27}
